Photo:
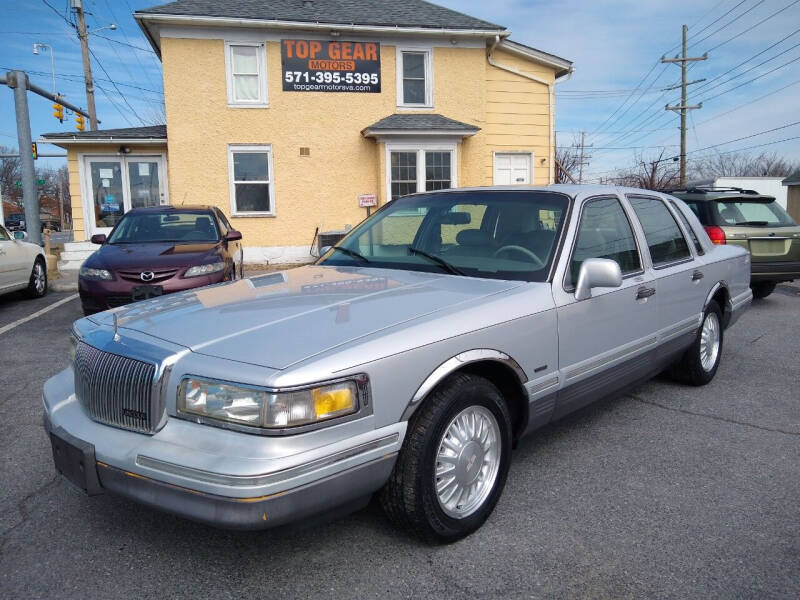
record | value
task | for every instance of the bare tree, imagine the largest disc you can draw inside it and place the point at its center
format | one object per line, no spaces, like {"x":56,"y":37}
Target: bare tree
{"x":656,"y":174}
{"x":742,"y":164}
{"x":10,"y":174}
{"x":567,"y":163}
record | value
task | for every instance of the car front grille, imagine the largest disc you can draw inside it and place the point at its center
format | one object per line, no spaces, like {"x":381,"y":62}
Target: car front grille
{"x":158,"y":275}
{"x":115,"y":390}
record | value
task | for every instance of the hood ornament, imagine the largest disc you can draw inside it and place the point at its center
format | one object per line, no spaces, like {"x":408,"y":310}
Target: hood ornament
{"x":116,"y":325}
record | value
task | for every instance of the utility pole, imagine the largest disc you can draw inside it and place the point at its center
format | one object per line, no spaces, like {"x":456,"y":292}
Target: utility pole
{"x":683,"y":107}
{"x":87,"y":65}
{"x":18,"y":80}
{"x":583,"y":159}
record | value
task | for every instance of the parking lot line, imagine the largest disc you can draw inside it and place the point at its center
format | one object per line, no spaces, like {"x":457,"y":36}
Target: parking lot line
{"x":38,"y":313}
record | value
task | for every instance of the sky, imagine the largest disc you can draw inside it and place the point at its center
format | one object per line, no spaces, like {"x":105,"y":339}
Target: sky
{"x":752,"y":73}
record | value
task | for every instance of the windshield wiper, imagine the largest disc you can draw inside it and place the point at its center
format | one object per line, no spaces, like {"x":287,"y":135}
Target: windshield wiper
{"x":352,"y":253}
{"x":753,"y":223}
{"x":438,"y":260}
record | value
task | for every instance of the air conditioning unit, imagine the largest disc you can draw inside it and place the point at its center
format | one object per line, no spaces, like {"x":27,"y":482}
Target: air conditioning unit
{"x":329,"y":238}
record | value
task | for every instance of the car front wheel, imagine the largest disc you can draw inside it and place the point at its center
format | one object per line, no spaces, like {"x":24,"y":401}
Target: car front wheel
{"x":454,"y":462}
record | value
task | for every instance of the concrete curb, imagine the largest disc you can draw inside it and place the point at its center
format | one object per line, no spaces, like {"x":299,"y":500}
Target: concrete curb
{"x":59,"y":285}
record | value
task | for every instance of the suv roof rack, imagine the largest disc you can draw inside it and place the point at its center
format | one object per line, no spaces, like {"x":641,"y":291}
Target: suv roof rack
{"x":704,"y":189}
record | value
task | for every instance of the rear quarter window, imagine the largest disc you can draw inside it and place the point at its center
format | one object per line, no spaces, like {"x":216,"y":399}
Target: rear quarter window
{"x":664,"y":238}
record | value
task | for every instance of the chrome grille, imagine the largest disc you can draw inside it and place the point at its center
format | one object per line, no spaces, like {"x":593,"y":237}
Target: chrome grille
{"x":115,"y":390}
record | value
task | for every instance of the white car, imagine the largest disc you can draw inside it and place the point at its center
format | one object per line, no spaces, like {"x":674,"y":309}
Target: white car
{"x":22,"y":265}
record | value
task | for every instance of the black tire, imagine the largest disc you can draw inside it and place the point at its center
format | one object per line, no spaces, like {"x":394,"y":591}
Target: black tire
{"x":37,"y":284}
{"x":762,"y":289}
{"x":409,"y":498}
{"x":689,"y":369}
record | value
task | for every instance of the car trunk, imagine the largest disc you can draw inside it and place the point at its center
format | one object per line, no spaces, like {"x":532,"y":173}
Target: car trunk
{"x":766,"y":244}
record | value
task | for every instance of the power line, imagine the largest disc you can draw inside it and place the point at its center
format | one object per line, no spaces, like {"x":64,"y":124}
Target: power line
{"x":79,"y":78}
{"x":729,"y":23}
{"x":751,"y":80}
{"x":754,"y":26}
{"x":134,"y":46}
{"x":746,"y":137}
{"x":121,"y":95}
{"x":780,"y":89}
{"x":55,"y":10}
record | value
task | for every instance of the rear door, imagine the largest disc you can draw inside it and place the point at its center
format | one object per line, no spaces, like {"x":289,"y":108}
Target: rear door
{"x":14,"y":267}
{"x":678,"y":274}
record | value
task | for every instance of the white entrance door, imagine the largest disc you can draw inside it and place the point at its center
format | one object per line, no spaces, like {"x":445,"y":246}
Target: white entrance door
{"x":115,"y":185}
{"x":512,"y":169}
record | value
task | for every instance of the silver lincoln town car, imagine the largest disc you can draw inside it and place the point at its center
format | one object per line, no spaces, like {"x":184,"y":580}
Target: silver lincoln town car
{"x":408,"y":361}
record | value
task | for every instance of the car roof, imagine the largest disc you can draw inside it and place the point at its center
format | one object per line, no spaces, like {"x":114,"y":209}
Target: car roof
{"x":571,"y":189}
{"x":709,"y":193}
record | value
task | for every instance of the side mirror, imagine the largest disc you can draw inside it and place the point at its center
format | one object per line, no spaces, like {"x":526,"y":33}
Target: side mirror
{"x":20,"y":235}
{"x":99,"y":238}
{"x":233,"y":236}
{"x":596,"y":273}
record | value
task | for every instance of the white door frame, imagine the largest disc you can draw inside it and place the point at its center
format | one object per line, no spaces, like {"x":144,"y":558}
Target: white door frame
{"x":87,"y":200}
{"x":530,"y":156}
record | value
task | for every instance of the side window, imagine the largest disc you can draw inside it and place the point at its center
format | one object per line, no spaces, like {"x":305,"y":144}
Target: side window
{"x":4,"y":237}
{"x":697,"y":245}
{"x":604,"y":232}
{"x":414,"y":81}
{"x":246,"y":72}
{"x":664,"y":237}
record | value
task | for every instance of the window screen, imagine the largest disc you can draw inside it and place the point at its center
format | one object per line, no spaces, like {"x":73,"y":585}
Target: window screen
{"x":604,"y":232}
{"x":664,"y":237}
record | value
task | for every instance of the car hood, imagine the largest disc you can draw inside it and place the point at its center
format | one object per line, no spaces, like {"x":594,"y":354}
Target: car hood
{"x":150,"y":255}
{"x":280,"y":319}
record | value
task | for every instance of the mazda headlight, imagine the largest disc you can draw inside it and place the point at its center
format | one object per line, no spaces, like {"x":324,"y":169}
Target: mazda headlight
{"x":96,"y":274}
{"x":259,"y":407}
{"x":208,"y":269}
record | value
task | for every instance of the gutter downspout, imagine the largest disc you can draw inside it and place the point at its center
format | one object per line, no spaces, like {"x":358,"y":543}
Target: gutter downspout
{"x":551,"y":96}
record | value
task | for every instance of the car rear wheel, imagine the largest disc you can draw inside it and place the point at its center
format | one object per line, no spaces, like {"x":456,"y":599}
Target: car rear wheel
{"x":763,"y":289}
{"x":454,"y":462}
{"x":37,"y":285}
{"x":700,"y":362}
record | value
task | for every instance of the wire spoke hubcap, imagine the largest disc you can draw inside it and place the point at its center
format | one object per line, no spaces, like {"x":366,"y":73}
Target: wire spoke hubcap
{"x":467,"y":461}
{"x":709,"y":342}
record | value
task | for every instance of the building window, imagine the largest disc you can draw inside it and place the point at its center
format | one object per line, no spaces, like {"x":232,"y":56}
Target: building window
{"x":251,"y":180}
{"x":415,"y":78}
{"x":247,"y":79}
{"x":420,"y":170}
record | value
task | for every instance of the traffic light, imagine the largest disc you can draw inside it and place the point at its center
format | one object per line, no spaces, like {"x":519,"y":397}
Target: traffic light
{"x":58,"y":112}
{"x":79,"y":122}
{"x":34,"y":150}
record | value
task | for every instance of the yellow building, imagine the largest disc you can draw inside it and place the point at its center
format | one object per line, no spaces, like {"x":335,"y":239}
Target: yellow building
{"x":292,"y":115}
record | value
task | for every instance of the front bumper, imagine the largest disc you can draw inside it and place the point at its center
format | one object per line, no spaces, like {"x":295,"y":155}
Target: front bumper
{"x":219,"y":477}
{"x":775,"y":271}
{"x":99,"y":295}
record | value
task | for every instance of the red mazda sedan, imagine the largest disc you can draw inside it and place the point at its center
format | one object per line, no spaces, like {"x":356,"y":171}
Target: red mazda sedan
{"x":159,"y":250}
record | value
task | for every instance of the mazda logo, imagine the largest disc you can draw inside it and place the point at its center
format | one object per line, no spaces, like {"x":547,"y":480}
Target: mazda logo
{"x":147,"y":276}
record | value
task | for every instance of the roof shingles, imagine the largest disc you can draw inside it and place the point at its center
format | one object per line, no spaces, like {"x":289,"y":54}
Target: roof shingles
{"x":419,"y":122}
{"x":387,"y":13}
{"x":155,"y":132}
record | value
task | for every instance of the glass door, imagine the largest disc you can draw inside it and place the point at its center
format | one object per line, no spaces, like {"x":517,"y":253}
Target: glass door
{"x":106,"y":201}
{"x":118,"y":184}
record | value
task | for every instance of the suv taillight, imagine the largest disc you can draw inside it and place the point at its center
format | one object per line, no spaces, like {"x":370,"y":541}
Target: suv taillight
{"x":716,"y":234}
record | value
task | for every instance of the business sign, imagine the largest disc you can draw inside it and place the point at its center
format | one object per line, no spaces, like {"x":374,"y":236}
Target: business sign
{"x":365,"y":200}
{"x":331,"y":66}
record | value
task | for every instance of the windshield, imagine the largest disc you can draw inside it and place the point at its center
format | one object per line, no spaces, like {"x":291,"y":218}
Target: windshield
{"x":757,"y":213}
{"x":491,"y":234}
{"x":174,"y":226}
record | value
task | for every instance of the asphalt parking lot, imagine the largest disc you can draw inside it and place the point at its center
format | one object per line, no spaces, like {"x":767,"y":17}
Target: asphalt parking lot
{"x":669,"y":492}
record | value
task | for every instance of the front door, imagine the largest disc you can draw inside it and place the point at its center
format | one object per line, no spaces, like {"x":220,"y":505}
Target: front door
{"x":115,"y":185}
{"x":512,"y":169}
{"x":605,"y":341}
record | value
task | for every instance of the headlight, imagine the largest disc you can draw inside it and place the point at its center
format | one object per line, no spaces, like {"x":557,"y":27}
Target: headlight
{"x":96,"y":274}
{"x":258,"y":407}
{"x":204,"y":269}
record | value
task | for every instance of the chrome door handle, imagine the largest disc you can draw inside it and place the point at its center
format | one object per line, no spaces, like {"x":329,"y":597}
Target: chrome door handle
{"x":645,"y":292}
{"x":697,"y":276}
